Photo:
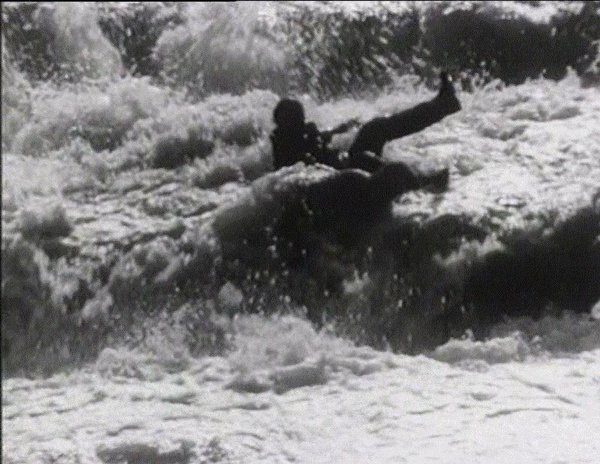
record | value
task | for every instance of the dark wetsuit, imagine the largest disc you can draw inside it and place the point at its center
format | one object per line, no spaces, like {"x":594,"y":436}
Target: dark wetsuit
{"x":303,"y":142}
{"x":374,"y":134}
{"x":291,"y":146}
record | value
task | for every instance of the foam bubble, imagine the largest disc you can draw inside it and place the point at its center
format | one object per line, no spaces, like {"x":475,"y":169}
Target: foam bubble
{"x":595,"y":312}
{"x":496,"y":350}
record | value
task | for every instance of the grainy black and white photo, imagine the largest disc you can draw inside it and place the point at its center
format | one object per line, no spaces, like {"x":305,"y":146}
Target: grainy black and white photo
{"x":300,"y":232}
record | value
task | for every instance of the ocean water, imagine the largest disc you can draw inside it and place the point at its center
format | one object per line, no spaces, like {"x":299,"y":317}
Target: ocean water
{"x":162,"y":301}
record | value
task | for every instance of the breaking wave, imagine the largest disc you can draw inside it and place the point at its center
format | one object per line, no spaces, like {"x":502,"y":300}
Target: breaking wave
{"x":328,"y":50}
{"x":139,"y":208}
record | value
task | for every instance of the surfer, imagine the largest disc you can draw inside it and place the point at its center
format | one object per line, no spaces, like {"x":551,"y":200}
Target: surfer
{"x":295,"y":140}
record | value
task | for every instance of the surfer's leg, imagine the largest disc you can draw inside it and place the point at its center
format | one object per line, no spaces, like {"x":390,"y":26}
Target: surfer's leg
{"x":397,"y":178}
{"x":373,"y":135}
{"x":366,"y":161}
{"x":436,"y":182}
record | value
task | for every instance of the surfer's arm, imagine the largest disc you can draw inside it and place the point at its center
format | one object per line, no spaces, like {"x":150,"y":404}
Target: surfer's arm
{"x":340,"y":129}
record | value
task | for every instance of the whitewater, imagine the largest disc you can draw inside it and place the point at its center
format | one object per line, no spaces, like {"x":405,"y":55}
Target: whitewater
{"x":151,"y":311}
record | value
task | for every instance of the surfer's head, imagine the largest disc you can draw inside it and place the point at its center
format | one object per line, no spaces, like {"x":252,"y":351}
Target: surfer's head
{"x":289,"y":113}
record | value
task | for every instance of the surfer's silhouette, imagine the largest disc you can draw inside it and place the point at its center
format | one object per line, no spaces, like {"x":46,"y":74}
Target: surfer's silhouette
{"x":295,"y":140}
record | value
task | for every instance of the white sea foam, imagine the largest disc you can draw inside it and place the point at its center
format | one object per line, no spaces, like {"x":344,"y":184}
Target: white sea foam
{"x":191,"y":382}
